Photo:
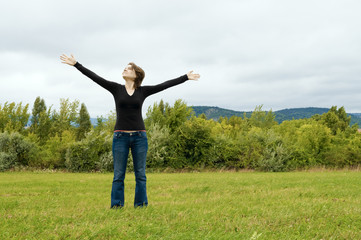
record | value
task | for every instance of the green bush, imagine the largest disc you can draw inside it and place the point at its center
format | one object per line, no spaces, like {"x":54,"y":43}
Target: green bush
{"x":226,"y":152}
{"x":275,"y":155}
{"x":308,"y":141}
{"x":105,"y":163}
{"x":344,"y":151}
{"x":15,"y":149}
{"x":177,"y":139}
{"x":312,"y":142}
{"x":193,"y":144}
{"x":274,"y":159}
{"x":252,"y":144}
{"x":158,"y":146}
{"x":85,"y":155}
{"x":7,"y":161}
{"x":80,"y":158}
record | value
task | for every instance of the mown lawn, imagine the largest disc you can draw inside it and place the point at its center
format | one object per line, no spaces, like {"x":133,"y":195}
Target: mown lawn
{"x":212,"y":205}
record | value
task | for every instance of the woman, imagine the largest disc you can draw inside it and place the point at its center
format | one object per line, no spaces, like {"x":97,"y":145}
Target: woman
{"x":129,"y":130}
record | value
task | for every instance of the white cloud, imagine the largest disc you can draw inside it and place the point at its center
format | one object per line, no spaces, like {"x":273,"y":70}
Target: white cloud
{"x":278,"y":53}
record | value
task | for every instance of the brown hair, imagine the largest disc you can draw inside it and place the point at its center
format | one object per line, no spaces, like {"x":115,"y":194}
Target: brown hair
{"x":139,"y":72}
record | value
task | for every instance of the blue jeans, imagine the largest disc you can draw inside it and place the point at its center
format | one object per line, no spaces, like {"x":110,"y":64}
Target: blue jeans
{"x":138,"y":143}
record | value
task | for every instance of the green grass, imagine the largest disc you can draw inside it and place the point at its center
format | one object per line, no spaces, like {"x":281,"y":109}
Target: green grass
{"x":220,"y":205}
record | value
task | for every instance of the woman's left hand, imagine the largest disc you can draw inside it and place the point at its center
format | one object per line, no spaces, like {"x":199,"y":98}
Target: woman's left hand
{"x":68,"y":60}
{"x":193,"y":76}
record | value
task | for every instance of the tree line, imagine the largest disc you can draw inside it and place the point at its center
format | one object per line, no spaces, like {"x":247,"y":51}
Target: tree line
{"x":281,"y":115}
{"x":178,"y":139}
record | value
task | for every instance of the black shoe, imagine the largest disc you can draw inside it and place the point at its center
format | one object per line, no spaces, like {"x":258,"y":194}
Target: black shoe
{"x":140,"y":206}
{"x":116,"y":207}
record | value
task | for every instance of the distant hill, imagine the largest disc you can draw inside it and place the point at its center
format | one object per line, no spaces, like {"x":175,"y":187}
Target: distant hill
{"x":281,"y":115}
{"x":356,"y":114}
{"x":217,"y":112}
{"x":298,"y":113}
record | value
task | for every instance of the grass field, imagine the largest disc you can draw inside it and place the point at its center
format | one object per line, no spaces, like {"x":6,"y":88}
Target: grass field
{"x":212,"y":205}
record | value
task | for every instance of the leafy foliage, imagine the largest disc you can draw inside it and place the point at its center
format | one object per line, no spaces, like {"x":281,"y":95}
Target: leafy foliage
{"x":13,"y":117}
{"x":83,"y":121}
{"x":14,"y":150}
{"x":86,"y":154}
{"x":178,"y":139}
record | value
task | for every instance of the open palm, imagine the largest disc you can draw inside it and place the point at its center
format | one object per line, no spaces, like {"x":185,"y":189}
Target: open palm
{"x":193,"y":76}
{"x":68,"y":60}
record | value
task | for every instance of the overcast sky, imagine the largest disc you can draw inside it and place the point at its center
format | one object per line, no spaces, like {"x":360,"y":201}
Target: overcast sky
{"x":279,"y":53}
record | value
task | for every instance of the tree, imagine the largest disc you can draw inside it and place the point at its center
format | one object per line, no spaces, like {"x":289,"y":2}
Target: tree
{"x":83,"y":121}
{"x":38,"y":108}
{"x":157,"y":114}
{"x":260,"y":118}
{"x":41,"y":121}
{"x":66,"y":117}
{"x":203,"y":116}
{"x":13,"y":117}
{"x":166,"y":116}
{"x":336,"y":120}
{"x":177,"y":115}
{"x":100,"y":124}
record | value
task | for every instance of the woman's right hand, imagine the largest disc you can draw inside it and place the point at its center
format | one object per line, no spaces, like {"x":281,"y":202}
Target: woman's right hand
{"x":68,"y":60}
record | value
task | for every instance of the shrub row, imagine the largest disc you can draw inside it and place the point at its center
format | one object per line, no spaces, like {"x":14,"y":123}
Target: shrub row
{"x":178,"y":140}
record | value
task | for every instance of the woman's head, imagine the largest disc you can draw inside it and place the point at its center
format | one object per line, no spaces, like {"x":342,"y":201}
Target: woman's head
{"x":135,"y":73}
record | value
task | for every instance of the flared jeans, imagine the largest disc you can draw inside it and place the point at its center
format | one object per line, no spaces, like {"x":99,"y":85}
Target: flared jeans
{"x":137,"y":142}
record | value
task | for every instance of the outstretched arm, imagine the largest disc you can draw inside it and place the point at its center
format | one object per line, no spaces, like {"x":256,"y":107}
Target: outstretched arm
{"x":110,"y":86}
{"x":149,"y":90}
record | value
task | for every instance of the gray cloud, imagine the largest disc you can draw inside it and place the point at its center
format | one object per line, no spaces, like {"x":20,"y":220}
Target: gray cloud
{"x":278,"y":53}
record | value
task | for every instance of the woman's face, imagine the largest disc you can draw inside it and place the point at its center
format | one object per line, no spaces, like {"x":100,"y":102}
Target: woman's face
{"x":129,"y":73}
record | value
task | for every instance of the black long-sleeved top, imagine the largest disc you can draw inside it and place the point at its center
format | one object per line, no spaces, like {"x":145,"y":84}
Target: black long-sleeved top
{"x":129,"y":108}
